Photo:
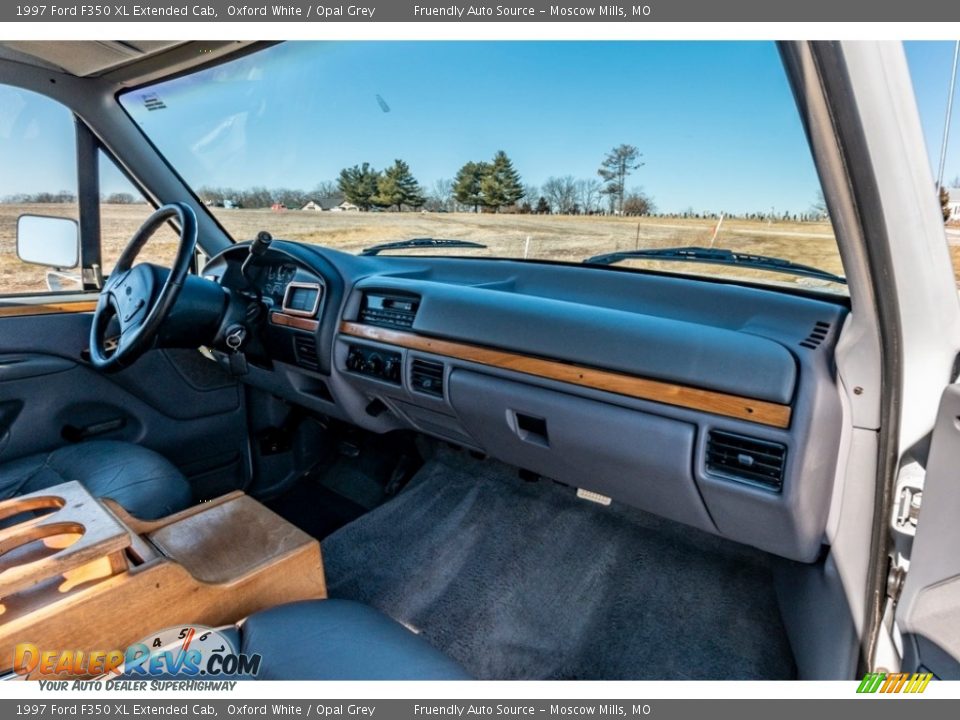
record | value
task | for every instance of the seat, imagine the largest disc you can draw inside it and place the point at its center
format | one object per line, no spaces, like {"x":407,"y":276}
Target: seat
{"x":143,"y":482}
{"x":340,"y":640}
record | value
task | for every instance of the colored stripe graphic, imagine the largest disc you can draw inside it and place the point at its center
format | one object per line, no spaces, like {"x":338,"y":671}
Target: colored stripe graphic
{"x":871,"y":682}
{"x":894,"y":683}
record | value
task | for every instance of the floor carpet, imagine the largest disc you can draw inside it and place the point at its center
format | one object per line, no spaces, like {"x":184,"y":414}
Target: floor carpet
{"x":521,"y":580}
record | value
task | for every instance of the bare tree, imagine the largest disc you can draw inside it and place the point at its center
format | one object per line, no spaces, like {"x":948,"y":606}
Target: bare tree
{"x":531,"y":193}
{"x":561,"y":194}
{"x":443,"y":193}
{"x":588,"y":195}
{"x":637,"y":202}
{"x":819,"y":206}
{"x":120,"y":198}
{"x":327,"y":189}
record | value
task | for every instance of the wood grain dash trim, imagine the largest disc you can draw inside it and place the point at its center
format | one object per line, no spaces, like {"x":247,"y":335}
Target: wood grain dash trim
{"x":278,"y":318}
{"x":710,"y":401}
{"x":76,"y":306}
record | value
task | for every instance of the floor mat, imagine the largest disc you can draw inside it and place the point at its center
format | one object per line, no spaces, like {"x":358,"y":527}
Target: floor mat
{"x":359,"y":474}
{"x":525,"y":581}
{"x":315,"y":509}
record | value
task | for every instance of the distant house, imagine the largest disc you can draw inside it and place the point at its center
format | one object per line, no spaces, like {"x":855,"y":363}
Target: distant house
{"x":327,"y":204}
{"x":953,"y":204}
{"x":278,"y":207}
{"x":345,"y":207}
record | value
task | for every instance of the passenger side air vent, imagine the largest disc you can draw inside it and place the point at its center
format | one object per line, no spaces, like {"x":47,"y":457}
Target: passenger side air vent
{"x":427,"y":377}
{"x":386,"y":310}
{"x":816,"y":336}
{"x":745,"y":458}
{"x":305,"y":350}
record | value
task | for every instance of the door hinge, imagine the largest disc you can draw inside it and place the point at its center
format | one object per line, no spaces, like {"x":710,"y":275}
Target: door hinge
{"x":908,"y":509}
{"x":895,"y":577}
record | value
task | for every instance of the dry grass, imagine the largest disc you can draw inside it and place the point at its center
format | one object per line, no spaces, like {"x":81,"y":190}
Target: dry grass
{"x":118,"y":223}
{"x":551,"y":237}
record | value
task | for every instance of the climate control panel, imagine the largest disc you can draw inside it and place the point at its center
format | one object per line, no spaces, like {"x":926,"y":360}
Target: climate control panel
{"x":375,"y":363}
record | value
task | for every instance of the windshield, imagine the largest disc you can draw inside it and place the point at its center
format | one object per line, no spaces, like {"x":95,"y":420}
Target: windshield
{"x":557,"y":151}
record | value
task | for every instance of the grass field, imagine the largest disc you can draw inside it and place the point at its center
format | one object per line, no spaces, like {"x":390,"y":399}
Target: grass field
{"x":553,"y":237}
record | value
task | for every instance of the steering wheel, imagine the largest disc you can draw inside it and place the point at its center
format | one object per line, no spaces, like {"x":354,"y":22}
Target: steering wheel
{"x":130,"y":295}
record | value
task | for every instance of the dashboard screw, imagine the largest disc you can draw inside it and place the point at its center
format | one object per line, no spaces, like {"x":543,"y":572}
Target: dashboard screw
{"x":858,"y":390}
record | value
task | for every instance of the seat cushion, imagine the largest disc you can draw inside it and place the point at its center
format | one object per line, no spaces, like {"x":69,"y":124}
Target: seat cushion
{"x":340,"y":640}
{"x":143,"y":482}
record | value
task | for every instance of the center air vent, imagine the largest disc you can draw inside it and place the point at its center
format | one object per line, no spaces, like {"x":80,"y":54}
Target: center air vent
{"x":387,"y":310}
{"x":746,"y":458}
{"x":305,"y":350}
{"x":426,"y":377}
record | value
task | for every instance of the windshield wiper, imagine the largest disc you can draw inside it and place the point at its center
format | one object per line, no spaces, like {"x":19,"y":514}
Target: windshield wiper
{"x":718,"y":257}
{"x":419,"y":243}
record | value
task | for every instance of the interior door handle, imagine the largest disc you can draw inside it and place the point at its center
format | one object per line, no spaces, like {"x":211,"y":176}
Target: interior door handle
{"x":72,"y":433}
{"x":9,"y":410}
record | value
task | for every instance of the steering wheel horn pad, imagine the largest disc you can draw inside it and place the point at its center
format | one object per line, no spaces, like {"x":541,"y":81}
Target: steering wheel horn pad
{"x":130,"y":295}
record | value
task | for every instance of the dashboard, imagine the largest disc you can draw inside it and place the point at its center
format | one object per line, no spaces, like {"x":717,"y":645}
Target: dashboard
{"x":708,"y":403}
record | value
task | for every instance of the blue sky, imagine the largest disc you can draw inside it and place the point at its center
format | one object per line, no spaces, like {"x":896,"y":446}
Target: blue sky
{"x":930,"y":66}
{"x":715,"y":121}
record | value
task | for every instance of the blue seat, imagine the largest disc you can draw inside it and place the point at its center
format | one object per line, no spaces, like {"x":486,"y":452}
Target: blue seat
{"x":340,"y":640}
{"x":143,"y":482}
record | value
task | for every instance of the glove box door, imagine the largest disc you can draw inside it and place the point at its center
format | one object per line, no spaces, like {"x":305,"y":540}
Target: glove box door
{"x":633,"y":457}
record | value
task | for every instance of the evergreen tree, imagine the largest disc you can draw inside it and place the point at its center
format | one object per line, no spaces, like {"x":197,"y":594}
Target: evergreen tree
{"x":467,"y":185}
{"x":397,"y":186}
{"x":500,"y":186}
{"x":359,"y":184}
{"x":543,"y":207}
{"x":614,"y":169}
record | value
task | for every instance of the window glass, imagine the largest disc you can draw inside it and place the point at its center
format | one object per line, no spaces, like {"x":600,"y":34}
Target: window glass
{"x":931,"y":69}
{"x":38,"y":176}
{"x":123,"y":209}
{"x":557,"y":151}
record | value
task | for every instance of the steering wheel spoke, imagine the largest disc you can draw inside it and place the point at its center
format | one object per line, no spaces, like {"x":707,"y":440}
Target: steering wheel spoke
{"x":126,"y":339}
{"x":137,"y":298}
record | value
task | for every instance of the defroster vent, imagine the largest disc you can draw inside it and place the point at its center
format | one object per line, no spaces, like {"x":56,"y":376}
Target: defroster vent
{"x":746,"y":458}
{"x":816,"y":336}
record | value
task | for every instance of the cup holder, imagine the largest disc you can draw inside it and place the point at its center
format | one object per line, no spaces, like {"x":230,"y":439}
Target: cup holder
{"x":37,"y":542}
{"x":20,"y":511}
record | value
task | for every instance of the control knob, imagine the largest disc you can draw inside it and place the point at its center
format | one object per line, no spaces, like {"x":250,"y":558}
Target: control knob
{"x":372,"y":365}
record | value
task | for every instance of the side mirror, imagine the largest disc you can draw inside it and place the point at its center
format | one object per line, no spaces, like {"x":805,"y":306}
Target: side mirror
{"x":50,"y":241}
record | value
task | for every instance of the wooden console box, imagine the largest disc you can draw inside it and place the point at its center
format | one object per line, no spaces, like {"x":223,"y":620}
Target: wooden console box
{"x":88,"y":576}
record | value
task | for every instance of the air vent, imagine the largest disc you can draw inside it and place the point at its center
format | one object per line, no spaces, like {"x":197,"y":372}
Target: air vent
{"x":746,"y":458}
{"x":816,"y":336}
{"x":392,"y":311}
{"x":305,"y":350}
{"x":427,"y":377}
